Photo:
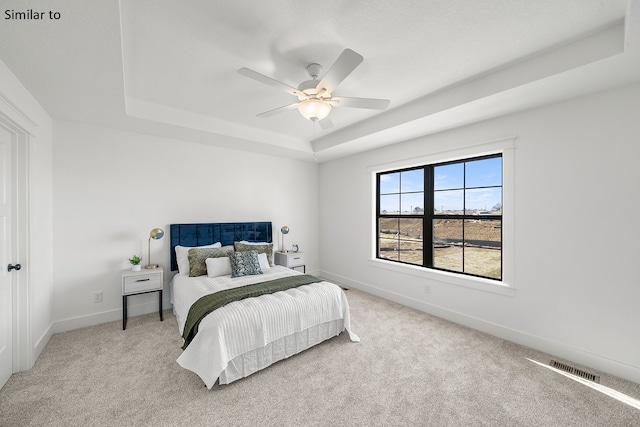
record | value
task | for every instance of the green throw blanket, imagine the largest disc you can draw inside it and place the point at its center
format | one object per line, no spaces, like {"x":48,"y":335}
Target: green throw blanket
{"x":208,"y":303}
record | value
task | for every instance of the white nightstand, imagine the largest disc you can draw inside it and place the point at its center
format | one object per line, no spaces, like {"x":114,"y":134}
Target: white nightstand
{"x":291,"y":260}
{"x":141,"y":282}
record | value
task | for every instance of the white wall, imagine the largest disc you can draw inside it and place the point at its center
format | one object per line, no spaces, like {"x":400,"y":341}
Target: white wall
{"x":112,"y":187}
{"x":576,"y":231}
{"x":23,"y":109}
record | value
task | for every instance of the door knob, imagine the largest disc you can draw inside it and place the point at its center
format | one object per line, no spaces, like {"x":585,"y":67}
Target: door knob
{"x":14,"y":267}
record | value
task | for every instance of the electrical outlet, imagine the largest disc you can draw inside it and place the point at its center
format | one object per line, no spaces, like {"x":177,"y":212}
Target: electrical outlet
{"x":97,"y":296}
{"x":427,"y":289}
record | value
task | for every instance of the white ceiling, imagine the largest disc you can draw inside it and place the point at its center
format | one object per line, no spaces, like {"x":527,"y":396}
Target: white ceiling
{"x":170,"y":68}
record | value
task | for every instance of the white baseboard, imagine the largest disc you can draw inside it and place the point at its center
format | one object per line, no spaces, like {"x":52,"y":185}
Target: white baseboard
{"x":601,"y":363}
{"x":107,"y":316}
{"x":41,"y":344}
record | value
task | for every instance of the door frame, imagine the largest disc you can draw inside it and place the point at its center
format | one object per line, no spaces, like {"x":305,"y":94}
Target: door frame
{"x":16,"y":122}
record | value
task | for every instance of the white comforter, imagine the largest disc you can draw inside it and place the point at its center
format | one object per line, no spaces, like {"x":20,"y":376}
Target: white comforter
{"x":252,"y":323}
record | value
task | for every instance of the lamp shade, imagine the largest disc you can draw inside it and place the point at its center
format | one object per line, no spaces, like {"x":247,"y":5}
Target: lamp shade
{"x":314,"y":109}
{"x":156,"y":233}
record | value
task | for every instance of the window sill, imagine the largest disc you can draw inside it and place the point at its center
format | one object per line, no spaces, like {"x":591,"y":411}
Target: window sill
{"x":477,"y":283}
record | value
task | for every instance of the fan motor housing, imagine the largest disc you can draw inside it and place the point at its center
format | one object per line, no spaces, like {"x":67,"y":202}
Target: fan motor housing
{"x":314,"y":70}
{"x":308,"y":87}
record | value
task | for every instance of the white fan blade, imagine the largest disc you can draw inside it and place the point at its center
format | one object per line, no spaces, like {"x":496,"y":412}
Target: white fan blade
{"x":369,"y":103}
{"x":268,"y":80}
{"x":278,"y":110}
{"x":326,"y":123}
{"x":344,"y":65}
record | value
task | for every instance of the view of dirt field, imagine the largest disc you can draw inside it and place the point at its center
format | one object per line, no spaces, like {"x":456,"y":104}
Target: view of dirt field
{"x":402,"y":240}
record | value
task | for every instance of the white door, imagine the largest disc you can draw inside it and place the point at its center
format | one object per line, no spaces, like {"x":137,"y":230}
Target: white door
{"x":6,"y":303}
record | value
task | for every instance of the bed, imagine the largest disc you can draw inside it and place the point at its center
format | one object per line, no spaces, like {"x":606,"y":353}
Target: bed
{"x":281,"y":313}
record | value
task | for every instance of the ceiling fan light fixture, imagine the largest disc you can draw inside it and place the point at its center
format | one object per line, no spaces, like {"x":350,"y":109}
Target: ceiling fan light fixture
{"x":315,"y":97}
{"x":314,"y":109}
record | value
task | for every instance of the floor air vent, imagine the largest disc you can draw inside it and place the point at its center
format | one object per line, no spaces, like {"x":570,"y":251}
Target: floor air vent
{"x":575,"y":371}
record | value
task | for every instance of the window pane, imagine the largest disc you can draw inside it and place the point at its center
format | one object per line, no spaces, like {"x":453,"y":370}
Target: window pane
{"x":485,"y":200}
{"x":389,"y":226}
{"x":411,"y":252}
{"x":411,"y":229}
{"x":410,"y":235}
{"x":449,"y":202}
{"x":388,"y":238}
{"x":448,"y":176}
{"x":412,"y":180}
{"x":482,"y":252}
{"x":484,"y":173}
{"x":447,"y":244}
{"x":389,"y":183}
{"x":390,"y":204}
{"x":388,"y":249}
{"x":413,"y":203}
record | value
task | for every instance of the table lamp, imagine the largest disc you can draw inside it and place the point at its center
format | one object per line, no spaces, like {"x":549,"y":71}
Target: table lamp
{"x":156,"y":234}
{"x":284,"y":230}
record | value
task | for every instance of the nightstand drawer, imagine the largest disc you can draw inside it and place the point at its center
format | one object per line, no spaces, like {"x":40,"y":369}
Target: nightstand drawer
{"x":142,"y":283}
{"x":295,"y":260}
{"x":289,"y":259}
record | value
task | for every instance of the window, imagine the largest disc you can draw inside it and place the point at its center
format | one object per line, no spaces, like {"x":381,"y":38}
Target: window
{"x":445,"y":216}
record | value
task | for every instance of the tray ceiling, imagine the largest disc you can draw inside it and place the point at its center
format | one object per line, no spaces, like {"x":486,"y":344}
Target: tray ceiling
{"x":155,"y":67}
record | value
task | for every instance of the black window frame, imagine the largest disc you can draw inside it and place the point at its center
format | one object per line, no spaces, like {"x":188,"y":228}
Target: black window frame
{"x":429,"y":214}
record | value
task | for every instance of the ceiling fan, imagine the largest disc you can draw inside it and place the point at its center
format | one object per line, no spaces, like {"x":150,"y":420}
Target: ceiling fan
{"x":315,"y":97}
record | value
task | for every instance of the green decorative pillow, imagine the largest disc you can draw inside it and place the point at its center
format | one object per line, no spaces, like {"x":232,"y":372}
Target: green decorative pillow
{"x":198,"y":256}
{"x":245,"y":263}
{"x":261,"y":248}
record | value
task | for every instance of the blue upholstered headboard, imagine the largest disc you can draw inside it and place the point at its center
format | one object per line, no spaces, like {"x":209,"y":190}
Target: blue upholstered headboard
{"x":223,"y":232}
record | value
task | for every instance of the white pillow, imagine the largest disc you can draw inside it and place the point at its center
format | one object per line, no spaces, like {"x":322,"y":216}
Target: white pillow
{"x":182,"y":256}
{"x":254,"y":243}
{"x":220,"y":266}
{"x":264,"y":262}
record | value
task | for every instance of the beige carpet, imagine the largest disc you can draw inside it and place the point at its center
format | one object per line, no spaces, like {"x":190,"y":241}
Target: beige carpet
{"x":410,"y":368}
